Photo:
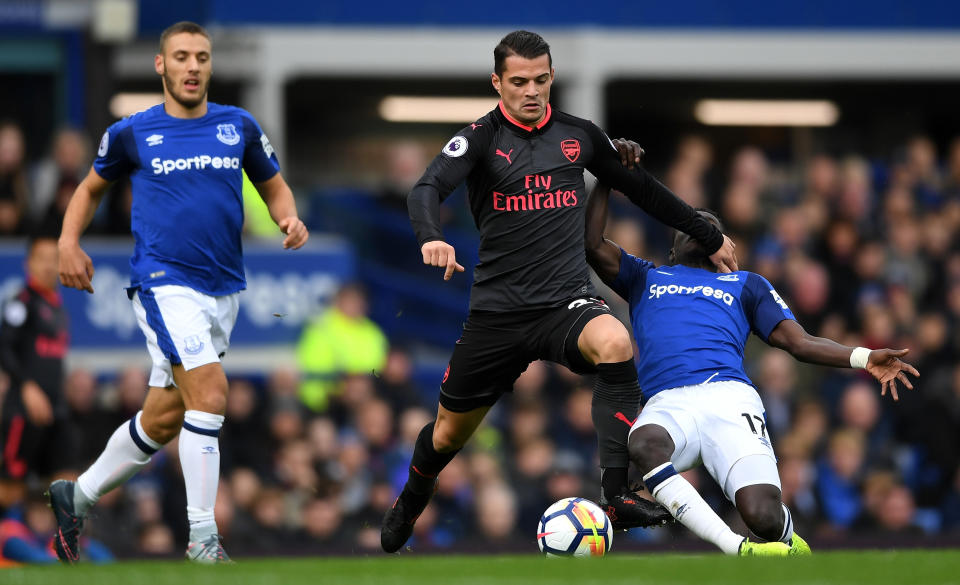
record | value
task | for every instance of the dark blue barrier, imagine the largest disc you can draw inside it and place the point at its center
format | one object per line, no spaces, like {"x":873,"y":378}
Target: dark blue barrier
{"x":893,"y":14}
{"x":410,"y":301}
{"x":284,"y":288}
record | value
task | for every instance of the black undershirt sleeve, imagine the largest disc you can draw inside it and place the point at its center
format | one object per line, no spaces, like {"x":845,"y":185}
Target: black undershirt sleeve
{"x":649,"y":194}
{"x":423,"y":206}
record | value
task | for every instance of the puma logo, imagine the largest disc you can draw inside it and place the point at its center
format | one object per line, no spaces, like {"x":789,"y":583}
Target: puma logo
{"x":505,"y":155}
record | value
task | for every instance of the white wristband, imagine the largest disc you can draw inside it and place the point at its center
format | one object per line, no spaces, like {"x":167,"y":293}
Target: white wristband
{"x":859,"y":357}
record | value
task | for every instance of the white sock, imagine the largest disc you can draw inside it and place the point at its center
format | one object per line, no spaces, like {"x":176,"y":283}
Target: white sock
{"x":127,"y":451}
{"x":682,"y":500}
{"x":787,"y":536}
{"x":200,"y":459}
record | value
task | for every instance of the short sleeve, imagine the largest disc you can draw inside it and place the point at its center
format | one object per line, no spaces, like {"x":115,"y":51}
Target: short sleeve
{"x":763,"y":306}
{"x":259,"y":160}
{"x":632,"y":276}
{"x":116,"y":154}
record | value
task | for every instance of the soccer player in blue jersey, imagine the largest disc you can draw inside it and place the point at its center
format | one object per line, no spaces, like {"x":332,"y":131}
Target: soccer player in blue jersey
{"x":691,"y":325}
{"x":185,"y":159}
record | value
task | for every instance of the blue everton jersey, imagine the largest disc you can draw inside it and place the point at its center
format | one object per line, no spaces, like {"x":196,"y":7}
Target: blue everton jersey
{"x":187,"y":204}
{"x":691,"y":324}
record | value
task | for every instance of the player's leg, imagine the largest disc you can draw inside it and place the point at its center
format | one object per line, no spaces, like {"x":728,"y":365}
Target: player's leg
{"x":595,"y":341}
{"x":131,"y":446}
{"x":755,"y":483}
{"x":127,"y":451}
{"x":738,"y":454}
{"x":438,"y":443}
{"x":201,"y":336}
{"x":204,"y":391}
{"x":605,"y":343}
{"x":484,"y":365}
{"x":667,"y":438}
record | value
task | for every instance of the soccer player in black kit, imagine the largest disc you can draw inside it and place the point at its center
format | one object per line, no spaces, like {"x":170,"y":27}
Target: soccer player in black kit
{"x":33,"y":343}
{"x":532,"y":297}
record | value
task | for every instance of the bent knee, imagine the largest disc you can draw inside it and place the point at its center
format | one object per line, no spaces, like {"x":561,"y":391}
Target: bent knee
{"x":446,"y":440}
{"x":615,"y":349}
{"x":764,"y":517}
{"x":162,"y":428}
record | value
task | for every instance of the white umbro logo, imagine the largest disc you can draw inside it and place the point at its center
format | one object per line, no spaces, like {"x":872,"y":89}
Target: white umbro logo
{"x":729,"y":277}
{"x":154,"y":139}
{"x":662,"y":272}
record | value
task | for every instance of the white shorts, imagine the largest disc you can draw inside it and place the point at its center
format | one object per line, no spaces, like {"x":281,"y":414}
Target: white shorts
{"x":183,"y":326}
{"x":718,"y":424}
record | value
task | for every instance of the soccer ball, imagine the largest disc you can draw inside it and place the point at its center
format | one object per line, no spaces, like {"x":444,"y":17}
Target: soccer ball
{"x":574,"y":527}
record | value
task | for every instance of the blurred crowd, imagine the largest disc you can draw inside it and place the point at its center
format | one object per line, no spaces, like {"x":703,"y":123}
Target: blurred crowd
{"x":864,"y":251}
{"x":34,"y":193}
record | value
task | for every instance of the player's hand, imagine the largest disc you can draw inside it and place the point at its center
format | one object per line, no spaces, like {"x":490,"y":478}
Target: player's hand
{"x":886,"y":366}
{"x":75,"y":267}
{"x":442,"y":254}
{"x":725,"y":258}
{"x":630,"y":152}
{"x":296,"y":232}
{"x":36,"y":403}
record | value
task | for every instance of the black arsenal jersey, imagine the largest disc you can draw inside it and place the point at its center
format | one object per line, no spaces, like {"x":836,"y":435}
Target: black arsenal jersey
{"x":34,"y":338}
{"x":528,"y":198}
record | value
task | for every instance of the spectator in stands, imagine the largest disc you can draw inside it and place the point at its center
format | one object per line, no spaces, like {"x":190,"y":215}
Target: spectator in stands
{"x":34,"y":338}
{"x":496,"y":516}
{"x":56,"y":177}
{"x":776,"y":384}
{"x":574,"y":431}
{"x":856,"y":199}
{"x":244,"y":427}
{"x":819,"y":191}
{"x":14,"y":189}
{"x":88,"y":423}
{"x":395,"y":382}
{"x":838,"y":477}
{"x":323,"y":524}
{"x":342,"y":340}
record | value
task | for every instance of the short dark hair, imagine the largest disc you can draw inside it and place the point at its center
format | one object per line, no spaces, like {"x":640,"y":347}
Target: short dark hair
{"x":688,"y":251}
{"x":184,"y":26}
{"x":522,"y":43}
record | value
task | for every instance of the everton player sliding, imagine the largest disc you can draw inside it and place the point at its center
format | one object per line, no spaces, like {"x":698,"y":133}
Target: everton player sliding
{"x":691,"y":325}
{"x":532,"y":298}
{"x":184,"y":158}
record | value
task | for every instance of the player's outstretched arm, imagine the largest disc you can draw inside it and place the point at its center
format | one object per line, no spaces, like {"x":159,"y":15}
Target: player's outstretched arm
{"x":75,"y":267}
{"x":650,"y":195}
{"x":283,"y":209}
{"x":602,"y":254}
{"x":883,"y":364}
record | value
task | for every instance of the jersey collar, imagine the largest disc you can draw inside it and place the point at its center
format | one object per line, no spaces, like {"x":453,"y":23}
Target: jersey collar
{"x":521,"y":125}
{"x":51,"y":296}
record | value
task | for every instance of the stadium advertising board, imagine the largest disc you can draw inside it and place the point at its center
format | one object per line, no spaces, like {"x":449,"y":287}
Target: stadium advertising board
{"x":284,"y":289}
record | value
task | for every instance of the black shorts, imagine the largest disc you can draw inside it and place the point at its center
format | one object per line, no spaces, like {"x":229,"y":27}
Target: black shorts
{"x":29,"y":450}
{"x":496,"y":347}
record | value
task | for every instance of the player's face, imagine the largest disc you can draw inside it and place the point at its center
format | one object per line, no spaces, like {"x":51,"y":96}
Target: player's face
{"x":684,"y":246}
{"x":524,"y":87}
{"x":185,"y":66}
{"x":42,"y":263}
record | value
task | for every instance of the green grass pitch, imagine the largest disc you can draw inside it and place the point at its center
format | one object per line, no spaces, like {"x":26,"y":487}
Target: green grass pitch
{"x":915,"y":567}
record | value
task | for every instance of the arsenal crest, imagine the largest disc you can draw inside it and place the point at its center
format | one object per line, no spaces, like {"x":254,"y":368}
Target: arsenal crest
{"x":571,"y":149}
